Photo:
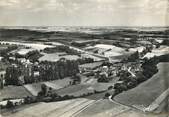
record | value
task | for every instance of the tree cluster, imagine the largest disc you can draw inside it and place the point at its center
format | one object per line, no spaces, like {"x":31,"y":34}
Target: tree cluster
{"x":58,"y":70}
{"x":165,"y":42}
{"x":47,"y":71}
{"x":134,"y":57}
{"x":4,"y":52}
{"x":33,"y":56}
{"x":12,"y":75}
{"x":149,"y":69}
{"x":85,"y":60}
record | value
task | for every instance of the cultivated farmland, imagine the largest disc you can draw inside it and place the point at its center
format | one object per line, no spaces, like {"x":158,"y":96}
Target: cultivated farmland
{"x":144,"y":95}
{"x":14,"y":92}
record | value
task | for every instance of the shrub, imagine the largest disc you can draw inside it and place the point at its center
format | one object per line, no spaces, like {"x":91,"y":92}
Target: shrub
{"x":107,"y":95}
{"x":110,"y":87}
{"x":9,"y":104}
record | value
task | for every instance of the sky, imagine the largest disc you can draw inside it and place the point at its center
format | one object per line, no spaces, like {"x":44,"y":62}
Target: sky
{"x":84,"y":13}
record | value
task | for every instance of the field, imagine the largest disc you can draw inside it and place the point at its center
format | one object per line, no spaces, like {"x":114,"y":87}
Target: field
{"x":24,"y":51}
{"x":135,"y":113}
{"x":50,"y":57}
{"x":37,"y":46}
{"x":56,"y":84}
{"x":139,"y":49}
{"x":77,"y":108}
{"x":158,"y":52}
{"x":92,"y":56}
{"x":72,"y":90}
{"x":113,"y":52}
{"x":55,"y":109}
{"x":149,"y":93}
{"x":13,"y":92}
{"x":3,"y":47}
{"x":80,"y":89}
{"x":103,"y":108}
{"x":105,"y":46}
{"x":33,"y":88}
{"x":109,"y":50}
{"x":59,"y":86}
{"x":56,"y":56}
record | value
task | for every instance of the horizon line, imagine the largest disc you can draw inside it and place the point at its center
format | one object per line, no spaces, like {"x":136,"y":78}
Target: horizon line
{"x":78,"y":26}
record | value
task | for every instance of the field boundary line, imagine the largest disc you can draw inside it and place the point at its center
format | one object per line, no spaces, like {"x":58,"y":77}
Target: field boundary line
{"x":61,"y":114}
{"x":84,"y":108}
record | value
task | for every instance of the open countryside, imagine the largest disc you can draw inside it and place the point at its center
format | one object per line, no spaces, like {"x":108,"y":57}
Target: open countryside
{"x":72,"y":73}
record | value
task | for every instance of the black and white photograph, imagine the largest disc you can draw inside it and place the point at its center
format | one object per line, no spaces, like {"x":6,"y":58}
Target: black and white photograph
{"x":84,"y":58}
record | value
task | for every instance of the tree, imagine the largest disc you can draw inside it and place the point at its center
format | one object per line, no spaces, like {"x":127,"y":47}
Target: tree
{"x":123,"y":74}
{"x":107,"y":95}
{"x":134,"y":57}
{"x":149,"y":67}
{"x":120,"y":87}
{"x":103,"y":78}
{"x":1,"y":81}
{"x":58,"y":70}
{"x":76,"y":79}
{"x":165,"y":42}
{"x":140,"y":77}
{"x":44,"y":89}
{"x":12,"y":75}
{"x":110,"y":87}
{"x":9,"y":104}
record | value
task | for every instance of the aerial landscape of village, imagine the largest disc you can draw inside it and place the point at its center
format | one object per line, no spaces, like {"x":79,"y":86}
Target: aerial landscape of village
{"x":84,"y":71}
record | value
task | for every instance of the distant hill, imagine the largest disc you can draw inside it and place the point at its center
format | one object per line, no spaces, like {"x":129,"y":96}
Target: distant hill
{"x":31,"y":35}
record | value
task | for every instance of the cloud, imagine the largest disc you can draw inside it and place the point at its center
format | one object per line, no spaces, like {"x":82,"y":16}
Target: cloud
{"x":84,"y":12}
{"x":122,"y":5}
